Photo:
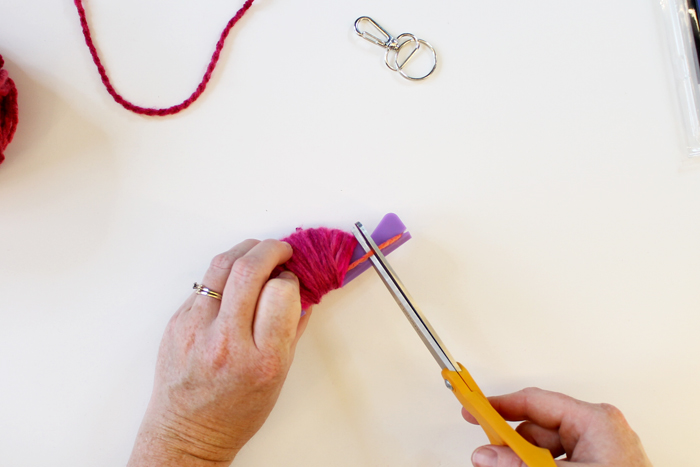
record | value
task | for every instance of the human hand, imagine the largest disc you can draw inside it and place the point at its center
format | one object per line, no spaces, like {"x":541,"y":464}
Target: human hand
{"x":221,"y":364}
{"x":589,"y":434}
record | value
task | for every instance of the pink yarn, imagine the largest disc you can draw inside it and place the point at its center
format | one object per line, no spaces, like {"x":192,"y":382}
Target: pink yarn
{"x":9,"y":112}
{"x":320,"y":260}
{"x":146,"y":110}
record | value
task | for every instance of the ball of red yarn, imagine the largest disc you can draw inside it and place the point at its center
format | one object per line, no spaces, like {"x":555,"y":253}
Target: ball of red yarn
{"x":8,"y":110}
{"x":320,"y":260}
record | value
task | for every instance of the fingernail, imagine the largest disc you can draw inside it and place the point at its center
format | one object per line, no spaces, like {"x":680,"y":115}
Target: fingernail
{"x":485,"y":457}
{"x":287,"y":274}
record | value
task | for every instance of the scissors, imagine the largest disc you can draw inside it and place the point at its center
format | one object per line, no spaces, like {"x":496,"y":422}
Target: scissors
{"x":457,"y":378}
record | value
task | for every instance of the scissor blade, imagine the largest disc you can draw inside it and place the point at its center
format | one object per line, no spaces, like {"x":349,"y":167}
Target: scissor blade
{"x":404,"y":300}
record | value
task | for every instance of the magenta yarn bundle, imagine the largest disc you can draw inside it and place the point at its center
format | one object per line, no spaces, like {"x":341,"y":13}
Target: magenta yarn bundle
{"x":8,"y":110}
{"x":320,"y":260}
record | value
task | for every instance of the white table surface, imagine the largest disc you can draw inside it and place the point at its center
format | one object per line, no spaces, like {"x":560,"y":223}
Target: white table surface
{"x":540,"y":170}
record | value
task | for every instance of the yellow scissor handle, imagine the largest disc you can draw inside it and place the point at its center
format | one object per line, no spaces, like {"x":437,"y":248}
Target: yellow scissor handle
{"x":496,"y":428}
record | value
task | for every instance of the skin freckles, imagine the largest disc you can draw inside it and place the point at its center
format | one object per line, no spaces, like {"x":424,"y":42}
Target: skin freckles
{"x":221,"y":353}
{"x":222,"y":364}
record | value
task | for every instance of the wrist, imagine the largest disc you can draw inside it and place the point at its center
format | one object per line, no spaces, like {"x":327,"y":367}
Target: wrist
{"x":173,"y":440}
{"x":155,"y":456}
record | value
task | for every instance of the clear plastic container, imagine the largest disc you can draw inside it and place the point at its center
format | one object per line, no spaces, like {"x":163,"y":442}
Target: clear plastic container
{"x":681,"y":21}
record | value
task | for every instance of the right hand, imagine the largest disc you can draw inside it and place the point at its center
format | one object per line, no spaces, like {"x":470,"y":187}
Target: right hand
{"x":589,"y":434}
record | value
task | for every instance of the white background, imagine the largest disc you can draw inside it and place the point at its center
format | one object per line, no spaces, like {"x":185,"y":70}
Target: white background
{"x":540,"y":170}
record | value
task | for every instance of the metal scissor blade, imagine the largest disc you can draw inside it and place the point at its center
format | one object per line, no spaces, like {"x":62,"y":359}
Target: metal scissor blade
{"x":404,"y":300}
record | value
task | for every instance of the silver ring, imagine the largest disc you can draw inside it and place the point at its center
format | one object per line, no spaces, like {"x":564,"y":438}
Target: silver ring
{"x":397,"y":44}
{"x":203,"y":290}
{"x":415,"y":49}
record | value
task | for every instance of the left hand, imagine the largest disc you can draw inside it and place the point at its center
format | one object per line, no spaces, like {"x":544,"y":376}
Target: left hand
{"x":221,"y":364}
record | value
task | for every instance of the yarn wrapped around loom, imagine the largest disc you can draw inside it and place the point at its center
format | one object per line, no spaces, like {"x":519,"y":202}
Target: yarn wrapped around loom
{"x":326,"y":259}
{"x":8,"y":110}
{"x":320,"y":260}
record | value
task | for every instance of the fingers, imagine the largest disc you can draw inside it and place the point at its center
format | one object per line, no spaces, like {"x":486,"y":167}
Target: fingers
{"x":216,"y":276}
{"x":542,"y":437}
{"x":589,"y":434}
{"x":278,"y":314}
{"x":248,"y":274}
{"x":545,"y":408}
{"x":543,"y":412}
{"x":542,"y":407}
{"x":469,"y":417}
{"x":501,"y":456}
{"x":496,"y":456}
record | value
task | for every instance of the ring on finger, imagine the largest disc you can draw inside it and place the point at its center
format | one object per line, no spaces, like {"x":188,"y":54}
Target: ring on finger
{"x":204,"y":290}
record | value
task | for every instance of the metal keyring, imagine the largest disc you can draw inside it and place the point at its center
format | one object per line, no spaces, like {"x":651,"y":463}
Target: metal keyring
{"x":394,"y":45}
{"x":417,"y":48}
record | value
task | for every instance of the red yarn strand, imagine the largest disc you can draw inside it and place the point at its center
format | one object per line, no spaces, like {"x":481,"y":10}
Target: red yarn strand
{"x":170,"y":110}
{"x":366,"y":256}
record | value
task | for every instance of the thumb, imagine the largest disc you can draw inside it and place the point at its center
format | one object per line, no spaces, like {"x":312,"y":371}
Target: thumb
{"x":277,"y":315}
{"x":496,"y":456}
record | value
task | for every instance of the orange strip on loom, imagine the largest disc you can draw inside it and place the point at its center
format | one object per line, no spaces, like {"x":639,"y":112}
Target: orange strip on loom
{"x":366,"y":256}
